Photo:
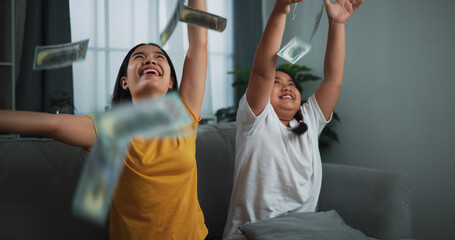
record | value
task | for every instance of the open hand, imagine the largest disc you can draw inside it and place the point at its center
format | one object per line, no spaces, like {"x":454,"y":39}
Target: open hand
{"x":341,"y":10}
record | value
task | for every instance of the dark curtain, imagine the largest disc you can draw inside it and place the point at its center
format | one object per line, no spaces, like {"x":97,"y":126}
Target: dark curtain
{"x":248,"y":31}
{"x":47,"y":22}
{"x":19,"y":24}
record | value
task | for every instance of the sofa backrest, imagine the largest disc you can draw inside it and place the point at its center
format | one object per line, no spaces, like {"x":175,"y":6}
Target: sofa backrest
{"x":38,"y":178}
{"x":215,"y":156}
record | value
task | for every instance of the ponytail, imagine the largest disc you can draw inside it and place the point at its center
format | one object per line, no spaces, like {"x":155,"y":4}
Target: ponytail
{"x":301,"y":127}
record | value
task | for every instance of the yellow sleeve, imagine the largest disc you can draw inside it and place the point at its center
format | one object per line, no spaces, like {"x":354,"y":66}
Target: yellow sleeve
{"x":90,"y":116}
{"x":193,"y":117}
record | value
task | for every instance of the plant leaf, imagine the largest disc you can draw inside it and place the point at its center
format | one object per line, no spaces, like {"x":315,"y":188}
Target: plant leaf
{"x":243,"y":73}
{"x":336,"y":117}
{"x":328,"y":132}
{"x":239,"y":83}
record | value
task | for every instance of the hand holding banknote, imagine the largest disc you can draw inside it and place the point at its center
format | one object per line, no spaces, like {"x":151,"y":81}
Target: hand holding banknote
{"x":192,"y":16}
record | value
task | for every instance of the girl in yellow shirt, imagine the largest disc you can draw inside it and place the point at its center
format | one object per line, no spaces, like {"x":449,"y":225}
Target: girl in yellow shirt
{"x":156,"y":197}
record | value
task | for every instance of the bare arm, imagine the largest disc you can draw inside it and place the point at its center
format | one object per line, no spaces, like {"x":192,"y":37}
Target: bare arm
{"x":71,"y":129}
{"x":328,"y":92}
{"x":194,"y":74}
{"x":264,"y":66}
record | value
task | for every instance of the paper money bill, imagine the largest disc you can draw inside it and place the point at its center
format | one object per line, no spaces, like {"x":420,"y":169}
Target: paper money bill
{"x":317,"y":20}
{"x":294,"y":50}
{"x":165,"y":116}
{"x":192,"y":16}
{"x":98,"y":181}
{"x":57,"y":56}
{"x":166,"y":34}
{"x":150,"y":118}
{"x":203,"y":19}
{"x":294,"y":11}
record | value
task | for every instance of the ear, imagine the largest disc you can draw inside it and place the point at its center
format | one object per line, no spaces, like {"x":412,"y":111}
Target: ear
{"x":171,"y":83}
{"x":124,"y":83}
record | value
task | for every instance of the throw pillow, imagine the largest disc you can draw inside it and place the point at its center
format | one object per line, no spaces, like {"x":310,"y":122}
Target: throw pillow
{"x":308,"y":225}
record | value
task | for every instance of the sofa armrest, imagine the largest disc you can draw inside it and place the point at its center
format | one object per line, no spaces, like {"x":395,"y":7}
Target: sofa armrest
{"x":374,"y":201}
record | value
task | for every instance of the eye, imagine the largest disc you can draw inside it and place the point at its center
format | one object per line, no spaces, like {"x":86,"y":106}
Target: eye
{"x":159,"y":56}
{"x":138,"y":56}
{"x":276,"y":82}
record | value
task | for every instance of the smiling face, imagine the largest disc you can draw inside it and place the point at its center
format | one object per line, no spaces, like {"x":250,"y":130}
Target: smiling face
{"x":148,"y":73}
{"x":285,"y":97}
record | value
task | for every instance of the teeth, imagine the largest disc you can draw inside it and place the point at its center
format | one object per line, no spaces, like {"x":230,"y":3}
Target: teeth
{"x":150,"y":71}
{"x":286,"y":96}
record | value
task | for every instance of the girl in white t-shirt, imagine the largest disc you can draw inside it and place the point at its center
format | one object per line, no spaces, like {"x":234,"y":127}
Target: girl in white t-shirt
{"x":278,"y":165}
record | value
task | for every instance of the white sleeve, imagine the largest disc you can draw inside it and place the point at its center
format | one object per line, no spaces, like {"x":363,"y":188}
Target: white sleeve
{"x":247,"y":122}
{"x":313,"y":116}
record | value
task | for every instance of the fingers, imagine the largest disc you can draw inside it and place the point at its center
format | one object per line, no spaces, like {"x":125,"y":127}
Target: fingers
{"x":356,"y":4}
{"x":341,"y":10}
{"x":352,"y":5}
{"x":348,"y":7}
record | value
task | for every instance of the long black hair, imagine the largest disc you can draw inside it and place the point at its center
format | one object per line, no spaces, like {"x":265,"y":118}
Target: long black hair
{"x":301,"y":128}
{"x":121,"y":95}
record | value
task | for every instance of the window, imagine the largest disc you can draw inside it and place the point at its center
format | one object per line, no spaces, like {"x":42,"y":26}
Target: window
{"x":115,"y":26}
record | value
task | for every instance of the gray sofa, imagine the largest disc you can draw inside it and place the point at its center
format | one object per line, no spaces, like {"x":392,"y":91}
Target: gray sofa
{"x":38,"y":178}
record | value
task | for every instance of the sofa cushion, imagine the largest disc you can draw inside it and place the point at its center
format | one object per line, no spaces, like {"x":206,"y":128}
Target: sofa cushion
{"x":320,"y":225}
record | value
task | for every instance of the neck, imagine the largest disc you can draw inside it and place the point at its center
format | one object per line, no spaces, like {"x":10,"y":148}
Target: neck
{"x":285,"y":122}
{"x":285,"y":115}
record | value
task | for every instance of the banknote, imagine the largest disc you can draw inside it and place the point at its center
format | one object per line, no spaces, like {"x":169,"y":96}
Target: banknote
{"x":294,"y":50}
{"x":192,"y":16}
{"x":166,"y":34}
{"x":98,"y":180}
{"x":317,"y":20}
{"x":164,"y":116}
{"x":294,"y":11}
{"x":203,"y":19}
{"x":150,"y":118}
{"x":57,"y":56}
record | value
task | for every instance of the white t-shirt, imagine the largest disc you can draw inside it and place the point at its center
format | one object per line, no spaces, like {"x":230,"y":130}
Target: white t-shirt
{"x":276,"y":171}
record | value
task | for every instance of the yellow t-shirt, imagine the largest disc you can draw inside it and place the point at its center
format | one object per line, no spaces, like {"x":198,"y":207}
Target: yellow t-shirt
{"x":156,"y":195}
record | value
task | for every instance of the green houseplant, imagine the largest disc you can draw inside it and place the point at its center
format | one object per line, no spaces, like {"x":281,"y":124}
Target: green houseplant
{"x":300,"y":74}
{"x":62,"y":103}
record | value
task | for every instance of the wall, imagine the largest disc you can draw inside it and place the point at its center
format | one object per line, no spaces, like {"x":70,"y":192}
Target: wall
{"x":396,"y":105}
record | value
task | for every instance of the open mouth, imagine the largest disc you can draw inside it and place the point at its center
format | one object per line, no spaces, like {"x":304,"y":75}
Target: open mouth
{"x":151,"y":72}
{"x":287,"y":96}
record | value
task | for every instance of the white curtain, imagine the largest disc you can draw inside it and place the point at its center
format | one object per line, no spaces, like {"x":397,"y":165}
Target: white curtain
{"x":115,"y":26}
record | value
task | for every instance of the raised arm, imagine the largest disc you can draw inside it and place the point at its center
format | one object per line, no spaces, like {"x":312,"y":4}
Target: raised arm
{"x":264,"y":66}
{"x":328,"y":92}
{"x":194,"y":75}
{"x":75,"y":130}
